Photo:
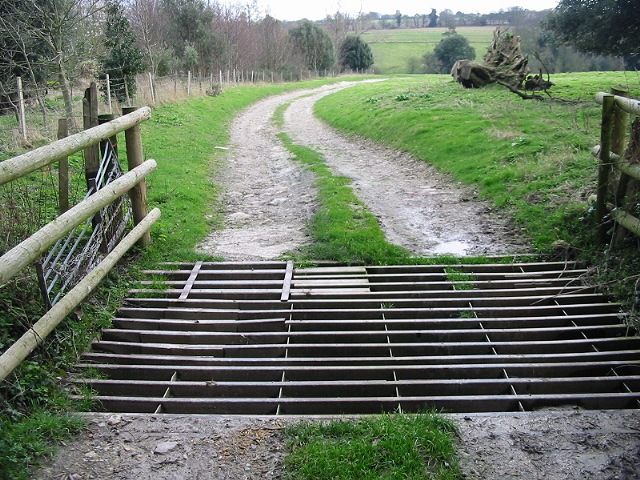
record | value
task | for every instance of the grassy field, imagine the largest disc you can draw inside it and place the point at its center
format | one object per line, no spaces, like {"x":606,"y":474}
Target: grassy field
{"x":393,"y":48}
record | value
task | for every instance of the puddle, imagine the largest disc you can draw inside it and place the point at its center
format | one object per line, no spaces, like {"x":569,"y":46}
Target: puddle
{"x":453,"y":248}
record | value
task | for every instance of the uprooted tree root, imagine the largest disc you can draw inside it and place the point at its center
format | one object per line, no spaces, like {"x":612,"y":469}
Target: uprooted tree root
{"x":504,"y":64}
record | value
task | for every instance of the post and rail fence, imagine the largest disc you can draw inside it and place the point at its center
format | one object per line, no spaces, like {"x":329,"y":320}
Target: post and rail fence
{"x":612,"y":202}
{"x":103,"y":195}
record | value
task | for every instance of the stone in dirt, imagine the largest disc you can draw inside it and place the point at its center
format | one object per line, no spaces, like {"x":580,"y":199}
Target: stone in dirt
{"x":165,"y":447}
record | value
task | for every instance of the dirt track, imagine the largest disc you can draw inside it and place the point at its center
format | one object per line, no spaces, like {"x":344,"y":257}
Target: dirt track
{"x":269,"y":198}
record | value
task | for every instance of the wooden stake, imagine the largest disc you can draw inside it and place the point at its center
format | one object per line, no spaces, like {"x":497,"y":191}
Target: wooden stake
{"x":153,"y":93}
{"x":63,"y":170}
{"x":22,"y":122}
{"x":92,"y":152}
{"x":138,"y":194}
{"x":109,"y":103}
{"x":605,"y":167}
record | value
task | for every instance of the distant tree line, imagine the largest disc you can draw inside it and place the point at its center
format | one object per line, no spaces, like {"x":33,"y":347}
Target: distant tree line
{"x":579,"y":35}
{"x":54,"y":42}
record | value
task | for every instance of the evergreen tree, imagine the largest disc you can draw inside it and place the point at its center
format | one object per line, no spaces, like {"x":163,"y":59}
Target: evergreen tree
{"x":452,"y":48}
{"x":601,"y":27}
{"x":355,"y":53}
{"x":123,"y":60}
{"x":433,"y":18}
{"x":314,"y":44}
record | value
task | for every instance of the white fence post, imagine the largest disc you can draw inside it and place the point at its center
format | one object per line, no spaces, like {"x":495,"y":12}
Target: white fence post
{"x":22,"y":122}
{"x":109,"y":104}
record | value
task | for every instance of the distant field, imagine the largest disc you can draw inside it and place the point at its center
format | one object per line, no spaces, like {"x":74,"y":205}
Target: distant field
{"x":393,"y":48}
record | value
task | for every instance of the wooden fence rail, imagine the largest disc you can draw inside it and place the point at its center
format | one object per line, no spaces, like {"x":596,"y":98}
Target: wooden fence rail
{"x":26,"y":163}
{"x":615,"y":111}
{"x":13,"y":261}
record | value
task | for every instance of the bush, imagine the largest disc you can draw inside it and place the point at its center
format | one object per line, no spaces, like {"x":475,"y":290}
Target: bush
{"x":451,"y":49}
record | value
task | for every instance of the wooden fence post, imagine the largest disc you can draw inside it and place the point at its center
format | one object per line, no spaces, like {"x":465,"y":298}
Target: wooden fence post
{"x":109,"y":103}
{"x":22,"y":122}
{"x":138,"y":194}
{"x":608,"y":106}
{"x":618,"y":133}
{"x":63,"y":170}
{"x":153,"y":93}
{"x":126,"y":91}
{"x":90,"y":117}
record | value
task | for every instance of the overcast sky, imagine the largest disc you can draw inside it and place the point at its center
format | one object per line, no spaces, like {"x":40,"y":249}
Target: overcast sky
{"x":318,"y":9}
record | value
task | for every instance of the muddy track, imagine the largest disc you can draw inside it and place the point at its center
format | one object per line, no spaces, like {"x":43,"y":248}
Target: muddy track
{"x":269,"y":198}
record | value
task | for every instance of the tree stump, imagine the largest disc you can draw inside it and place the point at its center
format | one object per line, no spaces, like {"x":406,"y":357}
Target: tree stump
{"x":504,"y":63}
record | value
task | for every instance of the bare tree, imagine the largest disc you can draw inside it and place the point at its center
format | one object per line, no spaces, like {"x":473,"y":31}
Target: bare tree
{"x":277,"y":53}
{"x":56,"y":25}
{"x":18,"y":58}
{"x":149,"y":23}
{"x":338,"y":26}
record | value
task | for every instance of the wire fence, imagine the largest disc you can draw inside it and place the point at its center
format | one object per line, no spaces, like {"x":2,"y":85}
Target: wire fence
{"x":29,"y":116}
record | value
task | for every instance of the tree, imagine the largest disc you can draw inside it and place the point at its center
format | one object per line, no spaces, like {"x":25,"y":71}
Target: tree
{"x":338,"y":26}
{"x":447,"y":18}
{"x":190,"y":57}
{"x":452,"y":48}
{"x":433,"y":18}
{"x":123,"y":60}
{"x":314,"y":45}
{"x":398,"y":18}
{"x":56,"y":26}
{"x":276,"y":52}
{"x":355,"y":53}
{"x":149,"y":23}
{"x":189,"y":23}
{"x":603,"y":27}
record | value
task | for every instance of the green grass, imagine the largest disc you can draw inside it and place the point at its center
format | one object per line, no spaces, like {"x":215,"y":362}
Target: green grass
{"x":342,"y":229}
{"x":463,"y":281}
{"x":392,"y":446}
{"x":393,"y":48}
{"x":25,"y":442}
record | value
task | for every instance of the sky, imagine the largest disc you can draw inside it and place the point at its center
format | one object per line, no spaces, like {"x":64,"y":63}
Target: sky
{"x":318,"y":9}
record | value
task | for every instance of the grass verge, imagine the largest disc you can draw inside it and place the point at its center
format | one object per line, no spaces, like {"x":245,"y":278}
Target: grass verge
{"x":390,"y":446}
